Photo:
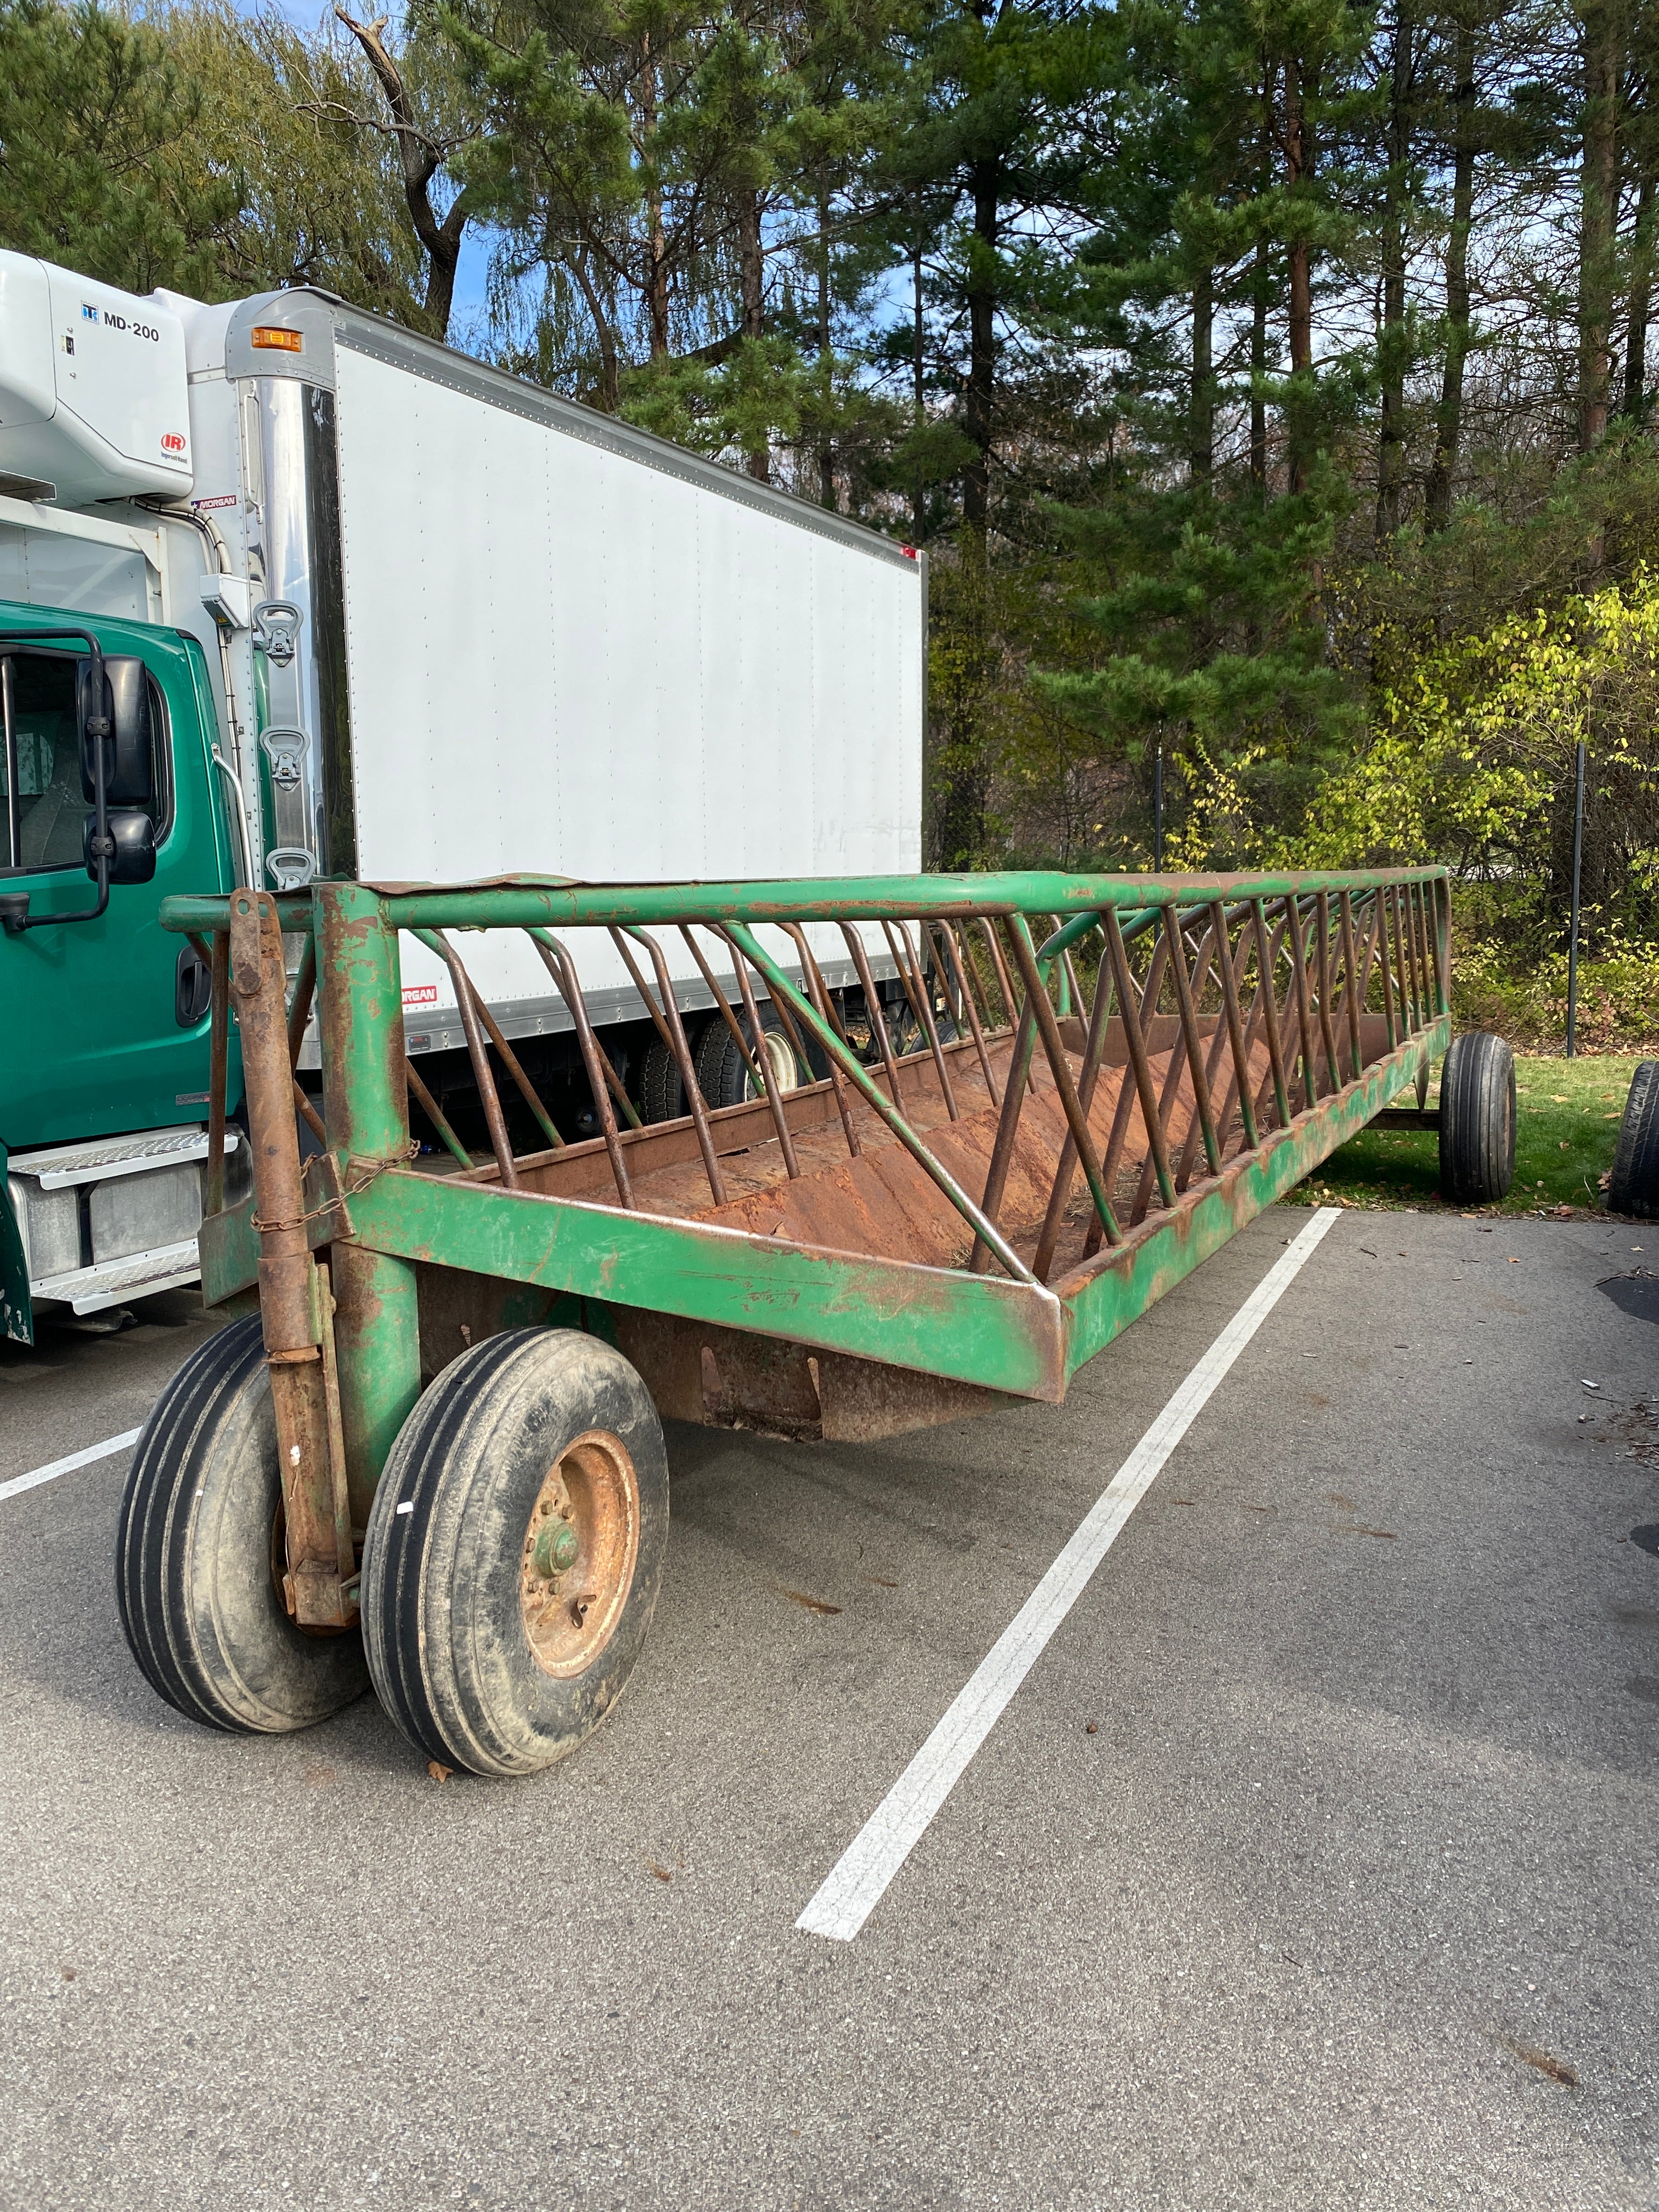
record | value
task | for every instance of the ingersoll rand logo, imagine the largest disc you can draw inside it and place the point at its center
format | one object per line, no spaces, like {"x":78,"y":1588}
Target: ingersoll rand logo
{"x":173,"y":442}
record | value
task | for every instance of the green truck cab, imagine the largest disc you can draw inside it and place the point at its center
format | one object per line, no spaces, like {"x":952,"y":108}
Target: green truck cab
{"x":104,"y":1016}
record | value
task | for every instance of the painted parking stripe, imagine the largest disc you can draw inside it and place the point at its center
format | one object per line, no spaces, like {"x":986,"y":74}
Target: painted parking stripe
{"x":50,"y":1473}
{"x":856,"y":1885}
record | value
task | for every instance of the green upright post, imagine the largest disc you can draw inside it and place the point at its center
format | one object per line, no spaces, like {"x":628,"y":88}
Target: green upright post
{"x":365,"y":1111}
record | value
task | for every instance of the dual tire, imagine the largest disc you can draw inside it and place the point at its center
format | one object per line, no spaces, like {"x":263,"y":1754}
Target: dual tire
{"x":510,"y":1567}
{"x":723,"y":1073}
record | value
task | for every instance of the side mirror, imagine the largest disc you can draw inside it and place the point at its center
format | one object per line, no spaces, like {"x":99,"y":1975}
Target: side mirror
{"x":131,"y":838}
{"x":129,"y":769}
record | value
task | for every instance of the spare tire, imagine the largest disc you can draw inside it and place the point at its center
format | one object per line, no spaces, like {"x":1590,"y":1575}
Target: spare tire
{"x":1477,"y":1120}
{"x":1633,"y":1187}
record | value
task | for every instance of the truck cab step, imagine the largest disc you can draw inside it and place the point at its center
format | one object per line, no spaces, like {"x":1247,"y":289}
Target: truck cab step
{"x":63,"y":1165}
{"x":112,"y":1282}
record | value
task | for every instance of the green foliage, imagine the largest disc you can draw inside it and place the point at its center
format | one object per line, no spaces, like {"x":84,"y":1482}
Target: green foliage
{"x":97,"y":164}
{"x":320,"y":200}
{"x":1268,"y":385}
{"x":1474,"y":739}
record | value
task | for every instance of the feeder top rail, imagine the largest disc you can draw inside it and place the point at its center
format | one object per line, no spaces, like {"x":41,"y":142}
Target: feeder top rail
{"x":532,"y":901}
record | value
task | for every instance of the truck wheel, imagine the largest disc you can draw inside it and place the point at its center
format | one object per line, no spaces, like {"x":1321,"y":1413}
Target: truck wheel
{"x":662,"y":1091}
{"x":908,"y":1035}
{"x":1477,"y":1120}
{"x":722,"y":1076}
{"x":198,"y":1555}
{"x":1633,"y":1187}
{"x":514,"y":1550}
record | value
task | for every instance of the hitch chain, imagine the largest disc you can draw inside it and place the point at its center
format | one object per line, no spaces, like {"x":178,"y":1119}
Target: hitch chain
{"x":411,"y":1151}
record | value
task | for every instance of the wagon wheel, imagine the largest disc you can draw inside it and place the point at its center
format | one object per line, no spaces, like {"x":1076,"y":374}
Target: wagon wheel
{"x":514,"y":1551}
{"x":1477,"y":1120}
{"x":1633,"y":1186}
{"x":198,"y":1555}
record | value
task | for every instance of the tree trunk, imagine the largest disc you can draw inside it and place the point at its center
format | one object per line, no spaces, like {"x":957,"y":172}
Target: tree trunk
{"x":420,"y":157}
{"x":987,"y":182}
{"x":609,"y":386}
{"x":1641,"y":300}
{"x":1300,"y":318}
{"x":918,"y":518}
{"x":1449,"y":416}
{"x":656,"y":270}
{"x":826,"y":447}
{"x":750,"y":267}
{"x":1201,"y":420}
{"x":752,"y":281}
{"x":1391,"y":348}
{"x":1603,"y":66}
{"x":1259,"y":287}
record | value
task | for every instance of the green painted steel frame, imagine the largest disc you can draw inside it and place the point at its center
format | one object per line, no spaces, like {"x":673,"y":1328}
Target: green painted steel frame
{"x":1019,"y":1337}
{"x":1015,"y":1336}
{"x":531,"y":901}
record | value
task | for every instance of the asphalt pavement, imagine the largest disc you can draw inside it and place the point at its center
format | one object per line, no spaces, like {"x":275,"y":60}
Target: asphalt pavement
{"x":1313,"y":1864}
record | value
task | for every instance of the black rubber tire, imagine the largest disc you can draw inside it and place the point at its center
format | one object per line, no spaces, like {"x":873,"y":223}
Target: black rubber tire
{"x":1477,"y":1120}
{"x":1633,"y":1186}
{"x":447,"y":1646}
{"x":723,"y":1077}
{"x":194,"y":1577}
{"x":662,"y":1092}
{"x":904,"y":1027}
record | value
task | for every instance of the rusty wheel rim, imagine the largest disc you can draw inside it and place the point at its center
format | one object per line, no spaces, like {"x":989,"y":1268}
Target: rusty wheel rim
{"x":580,"y":1547}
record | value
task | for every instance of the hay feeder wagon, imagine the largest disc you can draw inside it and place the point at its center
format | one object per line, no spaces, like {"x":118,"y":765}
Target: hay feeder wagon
{"x":429,"y":1452}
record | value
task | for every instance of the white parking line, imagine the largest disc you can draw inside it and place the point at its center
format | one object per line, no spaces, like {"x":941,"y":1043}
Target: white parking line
{"x":856,"y":1885}
{"x":50,"y":1473}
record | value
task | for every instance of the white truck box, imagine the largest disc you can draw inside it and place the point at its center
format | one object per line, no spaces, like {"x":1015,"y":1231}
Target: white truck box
{"x":497,"y":632}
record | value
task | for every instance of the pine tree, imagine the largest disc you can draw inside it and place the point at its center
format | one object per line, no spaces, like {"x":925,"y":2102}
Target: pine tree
{"x":96,"y":171}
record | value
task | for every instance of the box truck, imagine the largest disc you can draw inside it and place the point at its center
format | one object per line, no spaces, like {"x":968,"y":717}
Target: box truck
{"x":289,"y":592}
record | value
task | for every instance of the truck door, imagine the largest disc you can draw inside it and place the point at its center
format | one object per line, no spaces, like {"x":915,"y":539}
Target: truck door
{"x":101,"y":1030}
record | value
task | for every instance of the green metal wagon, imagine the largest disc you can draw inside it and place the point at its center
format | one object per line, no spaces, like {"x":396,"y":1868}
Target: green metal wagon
{"x":429,"y":1451}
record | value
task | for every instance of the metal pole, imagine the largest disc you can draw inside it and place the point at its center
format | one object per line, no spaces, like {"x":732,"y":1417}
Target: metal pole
{"x":1157,"y":812}
{"x":1572,"y":934}
{"x":377,"y":1327}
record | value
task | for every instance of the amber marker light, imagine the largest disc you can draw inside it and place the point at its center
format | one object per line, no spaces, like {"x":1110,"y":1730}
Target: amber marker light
{"x":267,"y":335}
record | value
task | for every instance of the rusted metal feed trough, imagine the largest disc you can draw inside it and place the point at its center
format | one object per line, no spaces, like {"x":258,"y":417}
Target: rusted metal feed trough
{"x":930,"y":1203}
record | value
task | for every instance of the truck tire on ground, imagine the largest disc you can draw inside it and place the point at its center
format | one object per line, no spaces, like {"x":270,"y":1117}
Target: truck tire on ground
{"x":904,"y":1027}
{"x":198,"y":1556}
{"x":722,"y":1076}
{"x":662,"y":1089}
{"x":514,"y":1551}
{"x":1633,"y":1187}
{"x":1477,"y":1120}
